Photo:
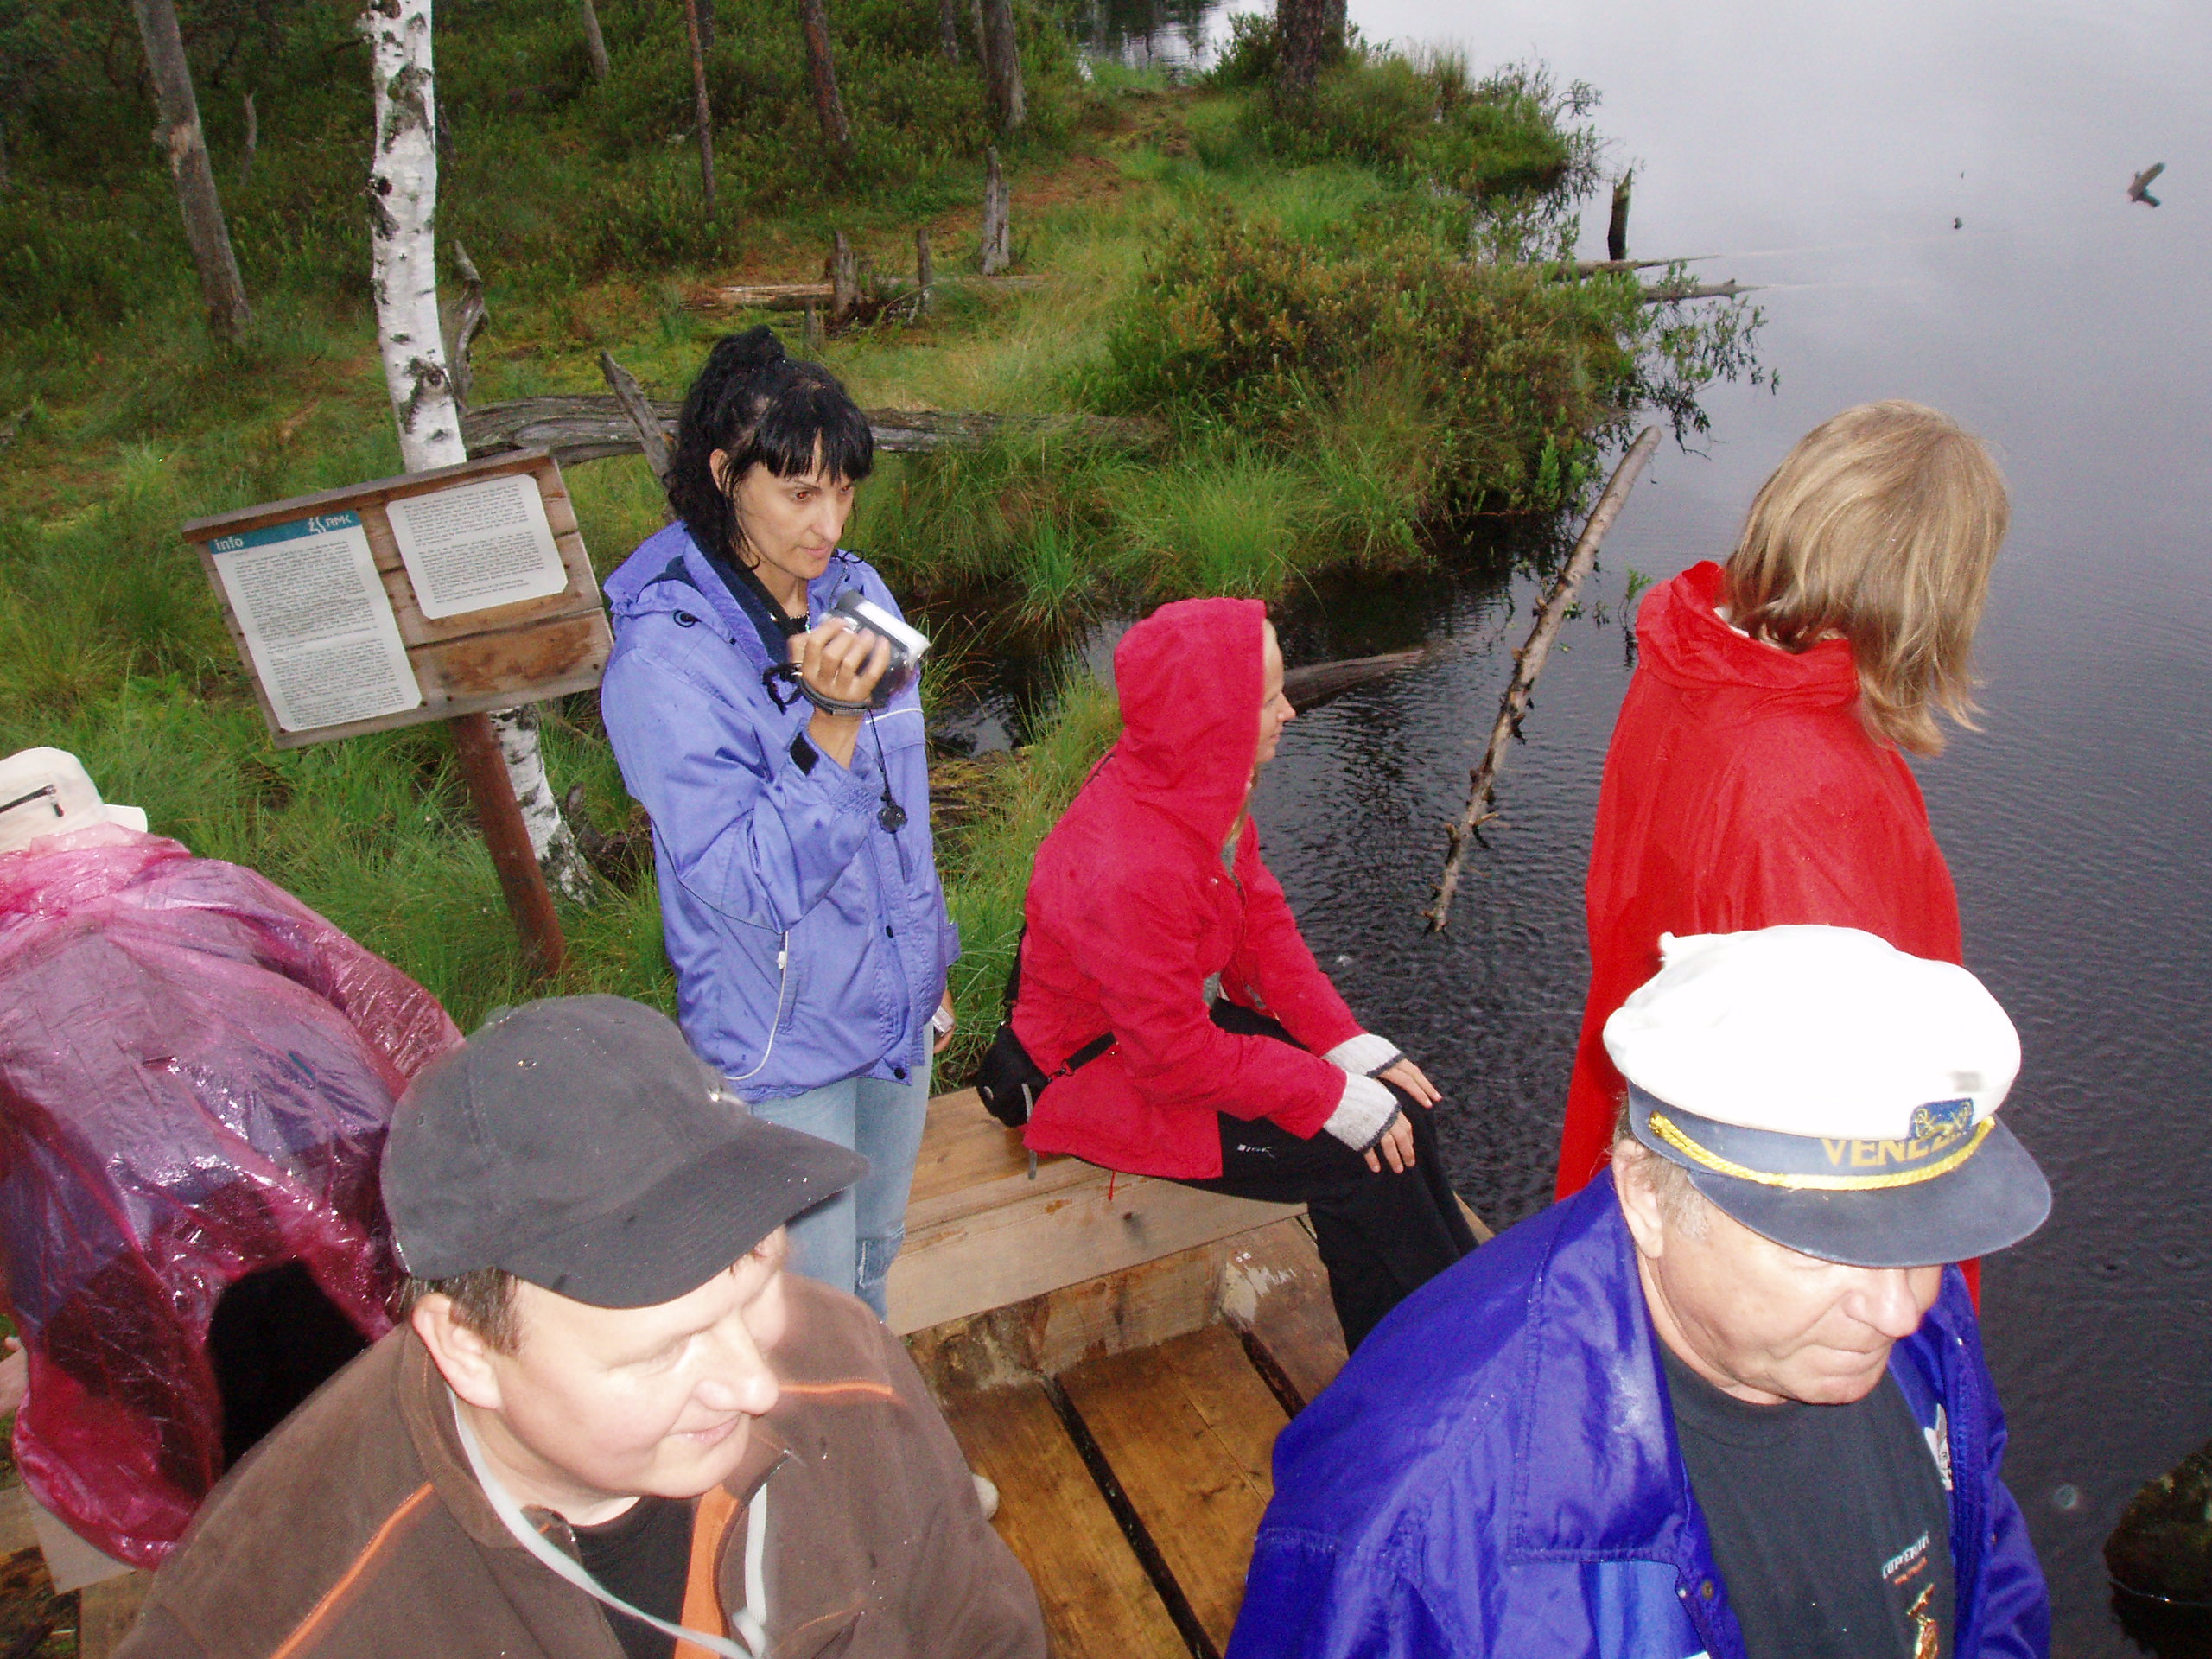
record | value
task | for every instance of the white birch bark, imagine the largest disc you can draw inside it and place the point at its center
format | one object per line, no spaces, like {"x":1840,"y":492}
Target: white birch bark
{"x":403,"y":212}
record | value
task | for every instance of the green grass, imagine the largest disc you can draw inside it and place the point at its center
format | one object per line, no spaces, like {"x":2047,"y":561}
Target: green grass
{"x":1159,"y":211}
{"x":987,"y":872}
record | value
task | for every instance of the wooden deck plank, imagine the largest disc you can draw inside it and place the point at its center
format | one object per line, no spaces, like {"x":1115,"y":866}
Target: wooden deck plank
{"x":107,"y":1611}
{"x":970,"y":1162}
{"x":1275,"y":1288}
{"x":1099,"y":1604}
{"x":1187,"y":1427}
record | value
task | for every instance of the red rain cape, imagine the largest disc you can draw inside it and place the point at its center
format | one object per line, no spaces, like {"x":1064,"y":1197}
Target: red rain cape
{"x":1740,"y":791}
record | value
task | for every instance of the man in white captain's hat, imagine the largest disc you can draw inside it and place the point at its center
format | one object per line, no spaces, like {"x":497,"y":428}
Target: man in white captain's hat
{"x":1729,"y":1400}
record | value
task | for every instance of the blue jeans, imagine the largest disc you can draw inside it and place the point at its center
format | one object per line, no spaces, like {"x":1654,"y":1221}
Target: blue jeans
{"x":849,"y":1241}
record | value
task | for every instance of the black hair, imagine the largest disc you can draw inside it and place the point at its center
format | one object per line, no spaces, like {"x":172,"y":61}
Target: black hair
{"x":759,"y":405}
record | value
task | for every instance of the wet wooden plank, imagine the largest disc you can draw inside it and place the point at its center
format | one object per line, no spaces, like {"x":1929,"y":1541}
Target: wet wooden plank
{"x":105,"y":1612}
{"x":1099,"y":1604}
{"x":1042,"y":1238}
{"x":1275,"y":1288}
{"x":970,"y":1162}
{"x":1187,"y":1427}
{"x":1133,"y":1308}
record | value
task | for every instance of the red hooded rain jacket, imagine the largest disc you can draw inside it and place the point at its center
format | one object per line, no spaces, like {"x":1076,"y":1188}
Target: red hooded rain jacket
{"x":1740,"y":791}
{"x":1133,"y":908}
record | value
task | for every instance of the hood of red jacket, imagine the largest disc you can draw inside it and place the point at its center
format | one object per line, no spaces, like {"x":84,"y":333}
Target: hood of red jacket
{"x":1188,"y":678}
{"x":1681,"y":637}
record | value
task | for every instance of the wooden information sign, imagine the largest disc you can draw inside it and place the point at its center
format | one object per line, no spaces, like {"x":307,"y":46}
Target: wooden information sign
{"x":410,"y":599}
{"x":438,"y":595}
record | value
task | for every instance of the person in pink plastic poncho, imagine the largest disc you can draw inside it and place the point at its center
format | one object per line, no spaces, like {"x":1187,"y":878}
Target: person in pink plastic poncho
{"x":196,"y":1073}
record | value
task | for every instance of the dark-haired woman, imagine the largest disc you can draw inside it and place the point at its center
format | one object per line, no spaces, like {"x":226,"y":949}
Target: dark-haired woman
{"x":790,"y":832}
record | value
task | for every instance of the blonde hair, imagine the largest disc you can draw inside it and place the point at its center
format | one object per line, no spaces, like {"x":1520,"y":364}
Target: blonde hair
{"x":1881,"y":526}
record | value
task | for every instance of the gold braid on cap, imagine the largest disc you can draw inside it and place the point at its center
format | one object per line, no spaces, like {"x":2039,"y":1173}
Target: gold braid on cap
{"x":1665,"y":1129}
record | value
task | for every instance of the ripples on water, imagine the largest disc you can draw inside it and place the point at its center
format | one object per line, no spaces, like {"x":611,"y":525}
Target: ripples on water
{"x":1827,"y":152}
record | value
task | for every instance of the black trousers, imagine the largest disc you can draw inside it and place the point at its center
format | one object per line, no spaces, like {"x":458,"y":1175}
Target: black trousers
{"x":1381,"y":1236}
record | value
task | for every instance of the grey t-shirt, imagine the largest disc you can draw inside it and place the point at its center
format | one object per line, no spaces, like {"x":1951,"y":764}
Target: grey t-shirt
{"x":1830,"y":1525}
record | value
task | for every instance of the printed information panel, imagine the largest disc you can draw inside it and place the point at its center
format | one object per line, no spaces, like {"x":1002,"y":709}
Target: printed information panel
{"x":476,"y":546}
{"x":319,"y":627}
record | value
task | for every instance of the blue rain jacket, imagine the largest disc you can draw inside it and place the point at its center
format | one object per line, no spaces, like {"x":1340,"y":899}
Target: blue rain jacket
{"x":1495,"y":1473}
{"x":768,"y":848}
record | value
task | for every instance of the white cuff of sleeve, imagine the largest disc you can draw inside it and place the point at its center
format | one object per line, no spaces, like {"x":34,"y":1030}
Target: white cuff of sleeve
{"x":1364,"y":1112}
{"x":1365,"y":1055}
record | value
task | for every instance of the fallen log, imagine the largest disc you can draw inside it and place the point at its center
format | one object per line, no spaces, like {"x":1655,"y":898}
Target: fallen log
{"x":590,"y":427}
{"x":638,"y":410}
{"x":797,"y":296}
{"x":1664,"y":295}
{"x":1528,"y":662}
{"x":1319,"y":683}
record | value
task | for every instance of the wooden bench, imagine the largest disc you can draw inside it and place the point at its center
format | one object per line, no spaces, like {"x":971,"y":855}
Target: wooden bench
{"x":982,"y":1232}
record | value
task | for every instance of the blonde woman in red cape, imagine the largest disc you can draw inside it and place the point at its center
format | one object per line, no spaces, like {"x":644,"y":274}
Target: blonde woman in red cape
{"x":1757,"y":775}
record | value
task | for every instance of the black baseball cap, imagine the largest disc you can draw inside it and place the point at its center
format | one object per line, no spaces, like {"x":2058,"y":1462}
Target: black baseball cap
{"x":578,"y":1143}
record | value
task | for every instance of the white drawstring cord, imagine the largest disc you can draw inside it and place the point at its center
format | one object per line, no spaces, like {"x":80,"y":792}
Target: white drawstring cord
{"x":752,"y":1620}
{"x":782,"y":978}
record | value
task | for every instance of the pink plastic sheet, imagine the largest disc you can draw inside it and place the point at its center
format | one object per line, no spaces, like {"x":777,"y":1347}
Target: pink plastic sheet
{"x":196,"y":1073}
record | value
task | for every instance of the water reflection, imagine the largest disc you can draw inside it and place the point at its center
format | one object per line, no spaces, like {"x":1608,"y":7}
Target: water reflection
{"x":1155,"y":34}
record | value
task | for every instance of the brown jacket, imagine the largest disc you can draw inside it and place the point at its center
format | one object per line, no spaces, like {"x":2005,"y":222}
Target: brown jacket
{"x":356,"y":1530}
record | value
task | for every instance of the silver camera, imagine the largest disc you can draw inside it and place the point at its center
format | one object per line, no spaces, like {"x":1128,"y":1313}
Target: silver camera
{"x":863,"y":615}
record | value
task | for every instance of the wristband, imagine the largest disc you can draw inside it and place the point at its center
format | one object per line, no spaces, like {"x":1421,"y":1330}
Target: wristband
{"x":829,"y":705}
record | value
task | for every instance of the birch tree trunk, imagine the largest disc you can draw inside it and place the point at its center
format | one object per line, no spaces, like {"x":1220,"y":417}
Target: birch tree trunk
{"x":996,"y":253}
{"x":403,"y":207}
{"x":180,"y":138}
{"x":947,"y":31}
{"x":822,"y":71}
{"x":594,"y":43}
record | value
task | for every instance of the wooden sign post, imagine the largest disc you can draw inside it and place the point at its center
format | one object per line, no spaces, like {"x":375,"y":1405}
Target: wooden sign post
{"x":438,"y":595}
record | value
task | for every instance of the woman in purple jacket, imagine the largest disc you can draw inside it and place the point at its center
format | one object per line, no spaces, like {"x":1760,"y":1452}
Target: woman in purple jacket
{"x":798,"y":888}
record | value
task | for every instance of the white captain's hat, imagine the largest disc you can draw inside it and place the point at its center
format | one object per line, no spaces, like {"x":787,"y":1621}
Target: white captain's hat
{"x":1833,"y":1093}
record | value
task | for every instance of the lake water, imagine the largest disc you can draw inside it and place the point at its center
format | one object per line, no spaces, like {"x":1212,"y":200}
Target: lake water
{"x":1826,"y":151}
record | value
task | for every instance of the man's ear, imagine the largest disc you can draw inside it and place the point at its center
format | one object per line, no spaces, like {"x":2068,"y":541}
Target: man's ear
{"x":462,"y":1357}
{"x":1639,"y":1203}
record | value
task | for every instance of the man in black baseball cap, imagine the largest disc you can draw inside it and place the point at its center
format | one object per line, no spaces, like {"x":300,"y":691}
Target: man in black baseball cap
{"x":610,"y":1422}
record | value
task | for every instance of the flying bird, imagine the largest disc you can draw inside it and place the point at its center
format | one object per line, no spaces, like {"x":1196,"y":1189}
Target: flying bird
{"x":2140,"y":190}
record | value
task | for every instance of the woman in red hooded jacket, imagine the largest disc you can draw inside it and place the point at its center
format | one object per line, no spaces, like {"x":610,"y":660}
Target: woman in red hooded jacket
{"x":1755,"y":777}
{"x":1234,"y":1064}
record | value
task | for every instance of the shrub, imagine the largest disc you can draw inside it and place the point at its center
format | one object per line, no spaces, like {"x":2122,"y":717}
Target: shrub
{"x":1240,"y":325}
{"x":1420,"y":115}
